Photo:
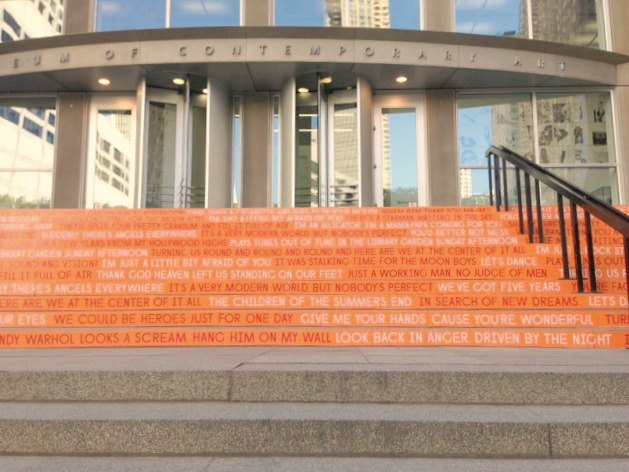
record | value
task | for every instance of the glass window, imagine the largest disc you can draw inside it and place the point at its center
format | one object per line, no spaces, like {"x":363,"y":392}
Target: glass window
{"x":10,"y":114}
{"x":26,"y":153}
{"x":492,"y":17}
{"x":578,"y":22}
{"x":32,"y":127}
{"x":6,"y":37}
{"x":500,"y":119}
{"x":187,"y":13}
{"x":397,"y":14}
{"x":114,"y":15}
{"x":115,"y":163}
{"x":575,"y":132}
{"x":21,"y":19}
{"x":10,"y":21}
{"x":25,"y":189}
{"x":575,"y":139}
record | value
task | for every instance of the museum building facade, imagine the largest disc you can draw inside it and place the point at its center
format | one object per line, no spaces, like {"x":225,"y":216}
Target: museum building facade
{"x":305,"y":103}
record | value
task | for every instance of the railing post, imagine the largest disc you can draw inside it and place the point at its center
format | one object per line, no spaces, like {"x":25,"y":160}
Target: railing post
{"x":491,"y":189}
{"x":506,"y":185}
{"x":540,"y":221}
{"x":576,"y":245}
{"x":529,"y":207}
{"x":518,"y":186}
{"x":590,"y":246}
{"x":564,"y":242}
{"x":497,"y":179}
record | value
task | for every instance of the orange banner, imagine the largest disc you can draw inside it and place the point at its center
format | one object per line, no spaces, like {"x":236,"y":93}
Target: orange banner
{"x":356,"y":337}
{"x":463,"y":275}
{"x":318,"y":318}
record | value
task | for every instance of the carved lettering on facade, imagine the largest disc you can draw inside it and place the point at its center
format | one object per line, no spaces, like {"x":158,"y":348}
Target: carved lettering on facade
{"x":134,"y":53}
{"x":237,"y":50}
{"x":448,"y":56}
{"x":396,"y":53}
{"x":473,"y":57}
{"x":262,"y":49}
{"x":315,"y":50}
{"x":562,"y":65}
{"x":183,"y":51}
{"x":541,"y":64}
{"x":422,"y":55}
{"x":16,"y":63}
{"x":209,"y":50}
{"x":109,"y":54}
{"x":65,"y":57}
{"x":369,"y":51}
{"x":517,"y":61}
{"x":342,"y":50}
{"x":37,"y":59}
{"x":288,"y":50}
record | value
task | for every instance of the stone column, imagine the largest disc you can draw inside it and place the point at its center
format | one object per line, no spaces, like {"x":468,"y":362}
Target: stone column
{"x":618,"y":21}
{"x":69,"y":168}
{"x":256,"y":150}
{"x":441,"y":131}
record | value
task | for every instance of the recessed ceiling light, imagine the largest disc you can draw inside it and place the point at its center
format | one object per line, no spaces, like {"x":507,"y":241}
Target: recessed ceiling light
{"x":205,"y":91}
{"x":401,"y":79}
{"x":303,"y":90}
{"x":178,"y":81}
{"x":326,"y":80}
{"x":104,"y":81}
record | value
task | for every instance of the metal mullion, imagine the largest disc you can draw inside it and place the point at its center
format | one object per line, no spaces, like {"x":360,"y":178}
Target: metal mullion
{"x":168,"y":12}
{"x":529,"y":18}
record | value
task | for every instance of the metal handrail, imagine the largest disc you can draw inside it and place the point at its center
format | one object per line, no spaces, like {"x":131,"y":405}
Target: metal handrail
{"x":590,"y":204}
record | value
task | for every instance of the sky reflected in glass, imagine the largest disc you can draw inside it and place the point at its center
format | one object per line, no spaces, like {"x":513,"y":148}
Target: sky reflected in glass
{"x":397,"y":14}
{"x":492,"y":17}
{"x":116,"y":15}
{"x":190,"y":13}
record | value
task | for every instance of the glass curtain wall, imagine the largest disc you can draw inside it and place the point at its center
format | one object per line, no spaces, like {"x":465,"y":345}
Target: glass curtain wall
{"x":115,"y":15}
{"x":396,"y":14}
{"x":575,"y":139}
{"x":577,"y":22}
{"x":27,"y":144}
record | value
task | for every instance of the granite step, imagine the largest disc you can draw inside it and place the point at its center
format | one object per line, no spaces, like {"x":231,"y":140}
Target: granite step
{"x":302,"y":464}
{"x":299,"y":384}
{"x":314,"y":429}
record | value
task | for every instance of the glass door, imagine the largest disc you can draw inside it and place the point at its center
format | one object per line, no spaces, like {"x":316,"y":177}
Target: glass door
{"x":112,"y":149}
{"x":343,"y":162}
{"x":195,"y":178}
{"x":165,"y":168}
{"x":398,"y":144}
